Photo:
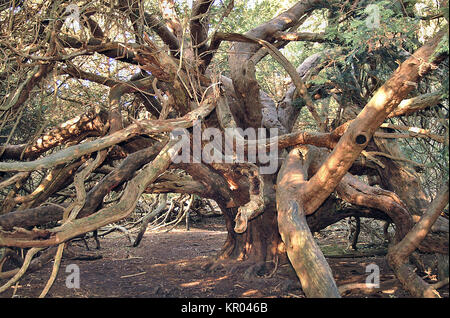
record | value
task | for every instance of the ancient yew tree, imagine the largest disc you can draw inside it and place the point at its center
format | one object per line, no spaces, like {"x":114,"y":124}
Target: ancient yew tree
{"x":91,"y":93}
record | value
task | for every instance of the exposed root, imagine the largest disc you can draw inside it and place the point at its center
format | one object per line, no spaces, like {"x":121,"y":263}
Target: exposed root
{"x":214,"y":265}
{"x":248,"y":269}
{"x":255,"y":270}
{"x":365,"y":287}
{"x":71,"y":254}
{"x":21,"y":271}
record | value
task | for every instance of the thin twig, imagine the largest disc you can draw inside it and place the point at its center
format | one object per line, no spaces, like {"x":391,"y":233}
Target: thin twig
{"x":133,"y":275}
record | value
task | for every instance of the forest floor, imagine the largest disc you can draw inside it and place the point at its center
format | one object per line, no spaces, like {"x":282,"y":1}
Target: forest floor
{"x":172,"y":264}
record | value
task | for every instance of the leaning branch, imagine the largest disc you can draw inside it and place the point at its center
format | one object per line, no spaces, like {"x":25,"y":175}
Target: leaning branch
{"x":305,"y":255}
{"x":199,"y":24}
{"x":414,"y":104}
{"x":111,"y":214}
{"x":301,"y":36}
{"x":398,"y":254}
{"x":362,"y":129}
{"x":144,"y":126}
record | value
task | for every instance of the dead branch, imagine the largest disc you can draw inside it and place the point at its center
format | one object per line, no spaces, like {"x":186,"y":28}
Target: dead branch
{"x":411,"y":105}
{"x":22,"y":270}
{"x":144,"y":126}
{"x":105,"y":216}
{"x":149,"y":216}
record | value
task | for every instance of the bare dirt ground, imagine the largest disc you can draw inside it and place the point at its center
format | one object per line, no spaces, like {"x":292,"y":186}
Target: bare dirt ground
{"x":168,"y":265}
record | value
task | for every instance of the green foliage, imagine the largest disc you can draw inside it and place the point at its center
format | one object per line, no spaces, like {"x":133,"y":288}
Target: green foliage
{"x":320,"y":79}
{"x":445,"y":11}
{"x":361,"y":37}
{"x":443,"y":46}
{"x":299,"y":103}
{"x":443,"y":156}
